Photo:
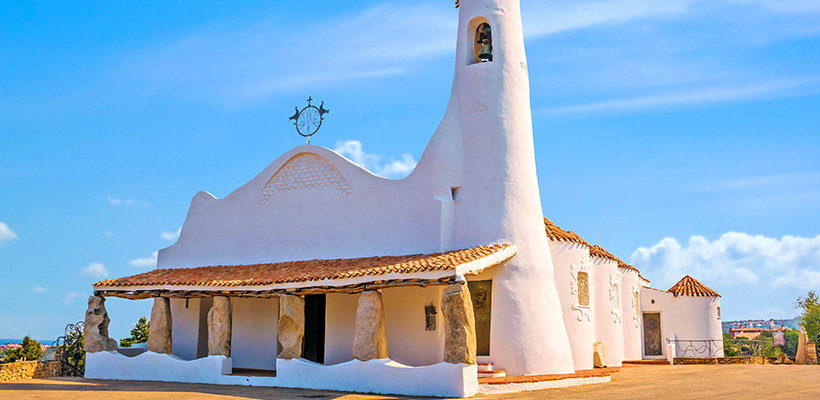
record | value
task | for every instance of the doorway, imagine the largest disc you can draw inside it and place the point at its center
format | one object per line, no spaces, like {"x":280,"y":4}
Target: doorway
{"x":652,"y":344}
{"x":481,"y":293}
{"x":313,"y":341}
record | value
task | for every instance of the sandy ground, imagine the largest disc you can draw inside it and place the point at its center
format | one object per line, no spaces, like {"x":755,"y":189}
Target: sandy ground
{"x":643,"y":382}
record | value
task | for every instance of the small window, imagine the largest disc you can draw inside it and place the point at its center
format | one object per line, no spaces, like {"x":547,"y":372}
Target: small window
{"x":718,"y":312}
{"x":430,"y":317}
{"x":637,"y":306}
{"x":483,"y":43}
{"x":583,"y":289}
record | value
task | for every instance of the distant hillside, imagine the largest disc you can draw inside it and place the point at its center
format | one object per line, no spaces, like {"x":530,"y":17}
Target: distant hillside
{"x":763,"y":323}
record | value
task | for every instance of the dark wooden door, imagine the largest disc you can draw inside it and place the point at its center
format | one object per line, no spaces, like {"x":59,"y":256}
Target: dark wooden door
{"x":313,"y":342}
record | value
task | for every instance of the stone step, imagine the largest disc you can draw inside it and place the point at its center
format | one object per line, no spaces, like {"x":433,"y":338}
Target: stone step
{"x":645,"y":362}
{"x":485,"y":366}
{"x":492,"y":374}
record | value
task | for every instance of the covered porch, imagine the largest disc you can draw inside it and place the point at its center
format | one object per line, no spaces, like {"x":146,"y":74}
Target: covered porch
{"x":396,"y":324}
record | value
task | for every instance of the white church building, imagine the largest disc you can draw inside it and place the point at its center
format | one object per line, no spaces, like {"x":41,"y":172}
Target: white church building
{"x":319,"y":274}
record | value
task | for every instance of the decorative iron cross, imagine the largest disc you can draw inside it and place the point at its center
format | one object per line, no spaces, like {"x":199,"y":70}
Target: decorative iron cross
{"x":309,"y":119}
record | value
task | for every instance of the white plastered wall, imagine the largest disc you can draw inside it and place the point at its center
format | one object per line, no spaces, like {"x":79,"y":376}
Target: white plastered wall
{"x":408,"y":342}
{"x":685,"y":318}
{"x":631,"y":312}
{"x":568,"y":260}
{"x":340,"y":326}
{"x":608,"y":314}
{"x":253,"y":332}
{"x":189,"y":330}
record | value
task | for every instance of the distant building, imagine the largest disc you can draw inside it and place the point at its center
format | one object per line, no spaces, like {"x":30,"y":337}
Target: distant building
{"x":749,"y":332}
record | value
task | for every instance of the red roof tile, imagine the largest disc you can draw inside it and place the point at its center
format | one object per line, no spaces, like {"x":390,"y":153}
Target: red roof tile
{"x":557,"y":234}
{"x":303,"y":271}
{"x":689,"y":286}
{"x":600,"y":252}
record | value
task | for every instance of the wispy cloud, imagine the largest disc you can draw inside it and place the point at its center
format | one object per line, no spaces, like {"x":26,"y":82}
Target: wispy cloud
{"x":95,"y":270}
{"x":146,"y":262}
{"x":391,"y":169}
{"x":246,"y":63}
{"x":735,"y":259}
{"x":6,"y":233}
{"x":39,"y":289}
{"x":69,"y":298}
{"x":171,"y":236}
{"x":693,"y":97}
{"x":125,"y":203}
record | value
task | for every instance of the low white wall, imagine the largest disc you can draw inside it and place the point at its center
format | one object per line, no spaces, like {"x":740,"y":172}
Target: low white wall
{"x":374,"y":376}
{"x":568,"y":259}
{"x":685,"y":318}
{"x":253,"y":333}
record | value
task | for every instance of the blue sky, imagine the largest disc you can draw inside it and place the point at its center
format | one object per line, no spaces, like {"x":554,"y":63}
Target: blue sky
{"x":681,"y":135}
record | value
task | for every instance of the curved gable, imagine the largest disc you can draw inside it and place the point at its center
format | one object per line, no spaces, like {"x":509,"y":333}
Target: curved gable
{"x":305,"y":171}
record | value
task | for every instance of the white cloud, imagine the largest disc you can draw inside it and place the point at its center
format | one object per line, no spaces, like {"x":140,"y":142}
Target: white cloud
{"x":171,"y":236}
{"x":147,"y":262}
{"x":709,"y":95}
{"x":6,"y":233}
{"x":95,"y":270}
{"x":393,"y":168}
{"x":69,"y":297}
{"x":117,"y":202}
{"x":39,"y":289}
{"x":735,"y":258}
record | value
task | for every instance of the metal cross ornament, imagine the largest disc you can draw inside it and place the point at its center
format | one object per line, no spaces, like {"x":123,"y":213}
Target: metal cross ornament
{"x":309,"y":119}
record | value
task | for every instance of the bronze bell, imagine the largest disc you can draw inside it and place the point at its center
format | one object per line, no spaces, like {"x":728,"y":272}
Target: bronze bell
{"x":486,"y":53}
{"x":486,"y":42}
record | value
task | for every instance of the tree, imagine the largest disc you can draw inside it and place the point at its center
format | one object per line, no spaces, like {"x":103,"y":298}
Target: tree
{"x":810,"y":318}
{"x":30,"y":351}
{"x":139,"y":334}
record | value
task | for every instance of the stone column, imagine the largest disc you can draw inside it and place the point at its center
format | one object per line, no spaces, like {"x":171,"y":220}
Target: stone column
{"x":95,"y":328}
{"x":370,"y":337}
{"x":219,"y":327}
{"x":291,"y":326}
{"x":159,"y":335}
{"x":802,"y":355}
{"x":459,"y":325}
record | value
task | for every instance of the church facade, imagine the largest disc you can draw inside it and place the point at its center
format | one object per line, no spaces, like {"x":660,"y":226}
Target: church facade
{"x":320,"y":274}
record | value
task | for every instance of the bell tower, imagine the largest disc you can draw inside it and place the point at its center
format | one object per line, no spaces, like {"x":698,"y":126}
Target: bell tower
{"x":499,"y":198}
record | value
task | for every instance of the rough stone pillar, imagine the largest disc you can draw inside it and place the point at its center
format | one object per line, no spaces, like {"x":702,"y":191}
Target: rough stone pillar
{"x":95,"y":329}
{"x":219,"y":327}
{"x":370,"y":337}
{"x":159,"y":334}
{"x":459,"y":325}
{"x":291,"y":326}
{"x":802,"y":355}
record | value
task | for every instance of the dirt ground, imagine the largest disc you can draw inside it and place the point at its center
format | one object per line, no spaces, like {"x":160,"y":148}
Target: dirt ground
{"x":643,"y":382}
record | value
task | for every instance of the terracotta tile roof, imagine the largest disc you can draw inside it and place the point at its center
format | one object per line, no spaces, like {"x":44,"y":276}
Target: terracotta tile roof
{"x":557,"y":234}
{"x":303,"y":271}
{"x":689,"y":286}
{"x":598,"y":251}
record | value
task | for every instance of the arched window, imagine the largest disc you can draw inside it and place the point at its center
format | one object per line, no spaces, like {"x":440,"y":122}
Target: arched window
{"x":583,"y":289}
{"x":637,"y":305}
{"x":718,"y":312}
{"x":483,"y":43}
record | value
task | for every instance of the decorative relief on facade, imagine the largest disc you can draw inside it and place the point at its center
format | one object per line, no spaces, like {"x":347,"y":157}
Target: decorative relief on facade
{"x":579,"y":289}
{"x":524,"y":65}
{"x":303,"y":172}
{"x":636,"y":305}
{"x":477,"y":108}
{"x":615,"y":296}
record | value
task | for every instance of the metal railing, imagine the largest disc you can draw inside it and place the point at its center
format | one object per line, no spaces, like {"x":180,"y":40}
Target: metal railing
{"x":697,"y":348}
